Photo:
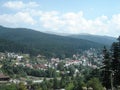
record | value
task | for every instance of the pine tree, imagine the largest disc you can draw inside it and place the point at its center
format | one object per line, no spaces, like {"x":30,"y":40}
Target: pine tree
{"x":116,"y":62}
{"x":106,"y":68}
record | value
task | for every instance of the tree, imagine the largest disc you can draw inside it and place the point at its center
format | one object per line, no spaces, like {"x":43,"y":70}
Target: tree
{"x":8,"y":87}
{"x":11,"y":87}
{"x":70,"y":86}
{"x":60,"y":66}
{"x":56,"y":83}
{"x":72,"y":70}
{"x":106,"y":79}
{"x":44,"y":86}
{"x":95,"y":84}
{"x":62,"y":82}
{"x":51,"y":72}
{"x":116,"y":62}
{"x":22,"y":86}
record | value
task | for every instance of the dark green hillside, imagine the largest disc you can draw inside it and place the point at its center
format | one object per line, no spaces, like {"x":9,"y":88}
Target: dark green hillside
{"x":10,"y":46}
{"x":47,"y":44}
{"x":106,"y":40}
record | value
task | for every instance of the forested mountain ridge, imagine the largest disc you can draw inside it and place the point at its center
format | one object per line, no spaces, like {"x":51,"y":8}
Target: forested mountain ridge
{"x":10,"y":46}
{"x":106,"y":40}
{"x":46,"y":44}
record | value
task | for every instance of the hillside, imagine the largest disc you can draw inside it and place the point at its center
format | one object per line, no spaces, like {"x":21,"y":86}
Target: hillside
{"x":105,"y":40}
{"x":46,"y":44}
{"x":10,"y":46}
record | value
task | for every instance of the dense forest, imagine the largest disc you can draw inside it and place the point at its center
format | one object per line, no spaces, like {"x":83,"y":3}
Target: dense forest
{"x":47,"y":44}
{"x":106,"y":40}
{"x":10,"y":46}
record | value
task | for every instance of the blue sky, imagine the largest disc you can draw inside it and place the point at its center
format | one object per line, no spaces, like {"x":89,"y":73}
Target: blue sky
{"x":99,"y":17}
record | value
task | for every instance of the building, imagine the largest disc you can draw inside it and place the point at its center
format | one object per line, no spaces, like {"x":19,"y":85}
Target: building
{"x":4,"y":78}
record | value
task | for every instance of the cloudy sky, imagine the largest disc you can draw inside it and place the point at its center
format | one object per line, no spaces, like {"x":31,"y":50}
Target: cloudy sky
{"x":100,"y":17}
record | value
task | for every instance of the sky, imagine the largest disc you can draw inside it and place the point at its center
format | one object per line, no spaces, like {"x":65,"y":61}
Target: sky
{"x":98,"y":17}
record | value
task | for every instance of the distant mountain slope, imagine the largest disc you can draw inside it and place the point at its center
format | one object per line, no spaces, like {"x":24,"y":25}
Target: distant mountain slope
{"x":46,"y":44}
{"x":10,"y":46}
{"x":106,"y":40}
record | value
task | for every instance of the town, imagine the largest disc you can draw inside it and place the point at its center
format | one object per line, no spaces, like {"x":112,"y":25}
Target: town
{"x":18,"y":67}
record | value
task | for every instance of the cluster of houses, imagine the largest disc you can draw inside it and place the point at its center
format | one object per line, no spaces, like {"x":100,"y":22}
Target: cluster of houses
{"x":86,"y":58}
{"x":89,"y":58}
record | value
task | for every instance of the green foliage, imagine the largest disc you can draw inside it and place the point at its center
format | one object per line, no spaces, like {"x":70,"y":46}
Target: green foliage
{"x":44,"y":86}
{"x":111,"y":66}
{"x":36,"y":87}
{"x":106,"y":69}
{"x":51,"y":72}
{"x":21,"y":86}
{"x":93,"y":73}
{"x":70,"y":86}
{"x":116,"y":62}
{"x":95,"y":84}
{"x":60,"y":66}
{"x":71,"y":68}
{"x":11,"y":46}
{"x":95,"y":38}
{"x":8,"y":87}
{"x":21,"y":71}
{"x":56,"y":83}
{"x":78,"y":83}
{"x":46,"y":44}
{"x":11,"y":70}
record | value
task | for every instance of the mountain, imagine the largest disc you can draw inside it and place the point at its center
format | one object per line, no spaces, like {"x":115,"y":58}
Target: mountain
{"x":105,"y":40}
{"x":10,"y":46}
{"x":46,"y":44}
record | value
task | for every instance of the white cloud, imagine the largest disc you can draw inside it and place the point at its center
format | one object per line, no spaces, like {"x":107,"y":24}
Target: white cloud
{"x":18,"y":19}
{"x":54,"y":21}
{"x":116,"y":21}
{"x":74,"y":23}
{"x":20,"y":5}
{"x":51,"y":20}
{"x":114,"y":25}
